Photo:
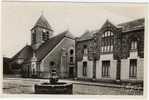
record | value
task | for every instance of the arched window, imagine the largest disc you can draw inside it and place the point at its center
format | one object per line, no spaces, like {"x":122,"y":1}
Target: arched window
{"x":71,"y":52}
{"x":134,"y":45}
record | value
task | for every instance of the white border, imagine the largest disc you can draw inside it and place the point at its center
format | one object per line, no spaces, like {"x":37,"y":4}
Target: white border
{"x":94,"y":97}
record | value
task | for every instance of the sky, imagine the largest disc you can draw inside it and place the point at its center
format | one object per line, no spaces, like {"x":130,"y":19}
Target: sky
{"x":19,"y":17}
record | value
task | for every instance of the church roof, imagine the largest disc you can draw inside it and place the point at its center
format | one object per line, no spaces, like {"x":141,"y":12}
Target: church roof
{"x":132,"y":25}
{"x":48,"y":46}
{"x":25,"y":53}
{"x":42,"y":22}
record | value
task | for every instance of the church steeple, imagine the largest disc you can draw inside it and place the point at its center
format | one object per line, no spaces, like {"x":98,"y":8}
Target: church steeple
{"x":41,"y":32}
{"x":42,"y":22}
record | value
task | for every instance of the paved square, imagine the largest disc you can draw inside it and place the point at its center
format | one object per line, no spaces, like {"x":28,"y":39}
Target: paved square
{"x":26,"y":86}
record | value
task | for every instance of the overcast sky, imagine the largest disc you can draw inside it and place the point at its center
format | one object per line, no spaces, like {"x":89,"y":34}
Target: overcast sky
{"x":19,"y":18}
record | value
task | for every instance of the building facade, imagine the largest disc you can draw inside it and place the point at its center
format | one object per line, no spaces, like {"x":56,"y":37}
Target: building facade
{"x":112,"y":53}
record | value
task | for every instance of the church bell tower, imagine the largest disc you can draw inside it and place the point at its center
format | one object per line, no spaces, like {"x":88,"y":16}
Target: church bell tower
{"x":41,"y":32}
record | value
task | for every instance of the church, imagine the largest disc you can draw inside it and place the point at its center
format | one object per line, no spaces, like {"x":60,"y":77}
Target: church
{"x":46,"y":49}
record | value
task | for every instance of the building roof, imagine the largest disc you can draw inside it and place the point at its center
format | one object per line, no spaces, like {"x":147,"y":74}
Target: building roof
{"x":132,"y":25}
{"x":48,"y":46}
{"x":86,"y":36}
{"x":127,"y":26}
{"x":25,"y":53}
{"x":42,"y":22}
{"x":6,"y":59}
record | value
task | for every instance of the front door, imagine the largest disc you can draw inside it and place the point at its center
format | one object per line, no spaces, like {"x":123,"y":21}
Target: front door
{"x":71,"y":72}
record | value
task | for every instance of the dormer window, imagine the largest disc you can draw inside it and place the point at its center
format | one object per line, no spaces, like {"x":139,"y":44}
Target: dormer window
{"x":107,"y":41}
{"x":133,"y":45}
{"x":107,"y":34}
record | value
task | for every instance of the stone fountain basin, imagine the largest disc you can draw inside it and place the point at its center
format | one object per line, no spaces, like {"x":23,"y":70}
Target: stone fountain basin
{"x":57,"y":88}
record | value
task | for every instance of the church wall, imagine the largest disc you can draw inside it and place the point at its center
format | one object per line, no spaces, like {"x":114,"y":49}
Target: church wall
{"x":55,"y":56}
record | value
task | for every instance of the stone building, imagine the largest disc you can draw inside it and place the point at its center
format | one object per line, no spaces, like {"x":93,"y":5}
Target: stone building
{"x":46,"y":48}
{"x":112,"y":53}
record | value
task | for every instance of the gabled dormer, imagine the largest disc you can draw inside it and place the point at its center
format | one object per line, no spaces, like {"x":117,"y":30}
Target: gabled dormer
{"x":107,"y":38}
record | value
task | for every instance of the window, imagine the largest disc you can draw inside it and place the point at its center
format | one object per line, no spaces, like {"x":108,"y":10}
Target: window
{"x":52,"y":63}
{"x":111,"y":48}
{"x":71,"y":59}
{"x":44,"y":30}
{"x":105,"y":68}
{"x":111,"y":33}
{"x":134,"y":45}
{"x":107,"y":42}
{"x":84,"y":68}
{"x":71,"y":52}
{"x":133,"y":68}
{"x":85,"y":50}
{"x":33,"y":38}
{"x":45,"y":35}
{"x":107,"y":34}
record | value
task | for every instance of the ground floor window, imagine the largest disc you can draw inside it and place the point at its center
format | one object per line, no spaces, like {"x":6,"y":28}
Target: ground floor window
{"x":105,"y":68}
{"x":133,"y":68}
{"x":84,"y":68}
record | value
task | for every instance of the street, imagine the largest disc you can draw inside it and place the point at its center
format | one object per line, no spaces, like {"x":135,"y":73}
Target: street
{"x":26,"y":86}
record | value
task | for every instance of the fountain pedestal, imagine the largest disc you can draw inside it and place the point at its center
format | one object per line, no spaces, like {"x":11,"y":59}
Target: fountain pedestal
{"x":60,"y":88}
{"x":53,"y":87}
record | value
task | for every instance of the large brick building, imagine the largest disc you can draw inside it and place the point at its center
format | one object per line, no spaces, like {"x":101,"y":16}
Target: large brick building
{"x":114,"y":52}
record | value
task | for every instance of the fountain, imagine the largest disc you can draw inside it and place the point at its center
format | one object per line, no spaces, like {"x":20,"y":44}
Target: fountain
{"x":53,"y":86}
